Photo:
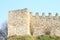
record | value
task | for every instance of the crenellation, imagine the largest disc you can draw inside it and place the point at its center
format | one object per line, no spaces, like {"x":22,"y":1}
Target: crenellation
{"x":56,"y":14}
{"x":37,"y":13}
{"x":43,"y":14}
{"x":25,"y":10}
{"x":50,"y":14}
{"x":22,"y":22}
{"x":9,"y":11}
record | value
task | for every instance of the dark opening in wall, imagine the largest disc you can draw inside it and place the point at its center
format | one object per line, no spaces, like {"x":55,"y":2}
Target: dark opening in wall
{"x":47,"y":32}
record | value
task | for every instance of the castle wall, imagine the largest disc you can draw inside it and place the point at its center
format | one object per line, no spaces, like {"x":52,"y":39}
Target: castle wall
{"x":41,"y":25}
{"x":22,"y":22}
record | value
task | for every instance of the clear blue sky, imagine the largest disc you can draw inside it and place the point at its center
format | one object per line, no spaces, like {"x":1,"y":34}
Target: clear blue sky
{"x":46,"y":6}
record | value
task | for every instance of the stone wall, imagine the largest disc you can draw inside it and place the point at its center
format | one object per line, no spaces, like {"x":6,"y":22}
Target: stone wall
{"x":22,"y":22}
{"x":18,"y":22}
{"x":46,"y":25}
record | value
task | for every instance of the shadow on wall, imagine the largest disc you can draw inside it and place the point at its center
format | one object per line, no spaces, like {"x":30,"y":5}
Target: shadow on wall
{"x":47,"y":31}
{"x":4,"y":31}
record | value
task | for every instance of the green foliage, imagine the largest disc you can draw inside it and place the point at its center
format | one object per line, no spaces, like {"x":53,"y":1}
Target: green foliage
{"x":42,"y":37}
{"x":47,"y":37}
{"x":29,"y":38}
{"x":15,"y":38}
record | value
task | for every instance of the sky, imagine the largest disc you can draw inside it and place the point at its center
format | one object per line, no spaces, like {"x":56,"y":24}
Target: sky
{"x":34,"y":6}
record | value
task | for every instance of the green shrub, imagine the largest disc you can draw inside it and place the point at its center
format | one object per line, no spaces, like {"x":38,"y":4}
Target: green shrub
{"x":47,"y":37}
{"x":41,"y":37}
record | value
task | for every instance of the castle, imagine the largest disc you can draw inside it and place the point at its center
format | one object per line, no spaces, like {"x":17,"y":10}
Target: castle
{"x":22,"y":22}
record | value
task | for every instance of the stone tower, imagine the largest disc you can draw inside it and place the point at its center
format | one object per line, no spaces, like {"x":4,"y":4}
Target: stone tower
{"x":18,"y":22}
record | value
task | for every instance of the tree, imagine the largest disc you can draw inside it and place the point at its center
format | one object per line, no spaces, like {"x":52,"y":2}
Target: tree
{"x":4,"y":29}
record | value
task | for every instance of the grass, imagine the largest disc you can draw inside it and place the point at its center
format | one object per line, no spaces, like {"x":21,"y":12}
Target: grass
{"x":41,"y":37}
{"x":20,"y":38}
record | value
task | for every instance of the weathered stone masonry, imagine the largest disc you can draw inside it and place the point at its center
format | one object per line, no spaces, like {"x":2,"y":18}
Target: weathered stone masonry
{"x":22,"y":22}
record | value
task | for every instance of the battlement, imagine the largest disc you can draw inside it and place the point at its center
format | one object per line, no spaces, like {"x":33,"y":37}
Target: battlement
{"x":37,"y":13}
{"x":19,"y":11}
{"x":43,"y":14}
